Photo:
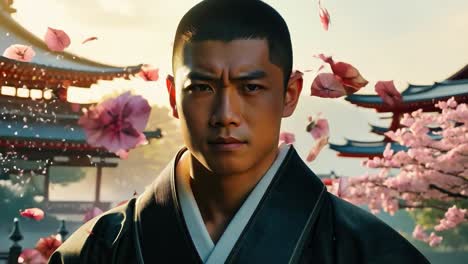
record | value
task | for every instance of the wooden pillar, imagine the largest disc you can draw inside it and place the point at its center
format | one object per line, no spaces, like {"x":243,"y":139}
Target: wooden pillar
{"x":97,"y":197}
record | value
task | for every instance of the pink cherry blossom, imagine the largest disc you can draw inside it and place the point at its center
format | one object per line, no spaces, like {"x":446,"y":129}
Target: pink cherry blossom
{"x":19,"y":52}
{"x":95,"y":211}
{"x":350,"y":76}
{"x":389,"y":94}
{"x":419,"y":233}
{"x":324,"y":16}
{"x":56,"y":39}
{"x":287,"y":137}
{"x":318,"y":128}
{"x":388,"y":152}
{"x":452,"y":218}
{"x":33,"y":213}
{"x":117,"y":124}
{"x":434,"y":240}
{"x":47,"y":245}
{"x":431,"y":169}
{"x":31,"y":256}
{"x":316,"y":148}
{"x":149,"y":73}
{"x":327,"y":85}
{"x":345,"y":80}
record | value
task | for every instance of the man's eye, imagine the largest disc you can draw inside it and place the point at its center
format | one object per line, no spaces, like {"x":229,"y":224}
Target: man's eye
{"x":252,"y":87}
{"x":199,"y":88}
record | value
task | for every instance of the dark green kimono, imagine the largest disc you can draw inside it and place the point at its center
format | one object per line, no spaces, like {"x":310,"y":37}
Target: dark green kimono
{"x":297,"y":221}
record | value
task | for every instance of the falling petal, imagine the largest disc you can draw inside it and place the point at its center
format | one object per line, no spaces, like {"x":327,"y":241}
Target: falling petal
{"x":149,"y":73}
{"x":19,"y":52}
{"x":47,"y":245}
{"x":324,"y":16}
{"x":33,"y":213}
{"x":389,"y":94}
{"x":328,"y":86}
{"x":117,"y":124}
{"x":319,"y":128}
{"x":56,"y":39}
{"x":31,"y":256}
{"x":346,"y":74}
{"x":287,"y":138}
{"x":315,"y":150}
{"x":89,"y":39}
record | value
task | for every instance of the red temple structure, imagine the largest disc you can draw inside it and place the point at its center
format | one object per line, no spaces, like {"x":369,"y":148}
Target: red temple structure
{"x":414,"y":97}
{"x":38,"y":126}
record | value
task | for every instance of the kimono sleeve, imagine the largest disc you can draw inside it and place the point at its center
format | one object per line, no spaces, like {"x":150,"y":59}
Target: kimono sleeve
{"x":98,"y":241}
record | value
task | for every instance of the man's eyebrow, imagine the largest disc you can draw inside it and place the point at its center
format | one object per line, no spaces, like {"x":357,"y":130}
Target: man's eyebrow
{"x":253,"y":75}
{"x":201,"y":76}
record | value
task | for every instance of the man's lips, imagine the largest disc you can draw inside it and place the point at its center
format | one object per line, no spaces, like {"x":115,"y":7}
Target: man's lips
{"x":227,"y":144}
{"x":226,"y":140}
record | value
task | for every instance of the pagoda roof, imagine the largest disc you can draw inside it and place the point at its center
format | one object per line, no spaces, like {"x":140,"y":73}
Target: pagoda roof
{"x":417,"y":96}
{"x":58,"y":139}
{"x":380,"y":130}
{"x":460,"y":75}
{"x":61,"y":65}
{"x":354,"y":148}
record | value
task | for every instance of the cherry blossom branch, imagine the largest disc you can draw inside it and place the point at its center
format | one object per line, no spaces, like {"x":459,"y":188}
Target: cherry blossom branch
{"x":449,"y":193}
{"x":422,"y":206}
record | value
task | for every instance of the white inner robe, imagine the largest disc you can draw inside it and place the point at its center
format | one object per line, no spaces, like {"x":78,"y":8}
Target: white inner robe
{"x":209,"y":252}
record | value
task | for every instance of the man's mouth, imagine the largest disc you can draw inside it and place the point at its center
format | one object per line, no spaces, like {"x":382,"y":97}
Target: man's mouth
{"x":227,"y":143}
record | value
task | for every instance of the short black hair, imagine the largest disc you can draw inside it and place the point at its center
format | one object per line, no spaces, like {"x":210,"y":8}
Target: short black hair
{"x":228,"y":20}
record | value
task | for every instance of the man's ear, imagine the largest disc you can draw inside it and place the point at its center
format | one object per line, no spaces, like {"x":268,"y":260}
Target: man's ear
{"x":293,"y":91}
{"x":172,"y":96}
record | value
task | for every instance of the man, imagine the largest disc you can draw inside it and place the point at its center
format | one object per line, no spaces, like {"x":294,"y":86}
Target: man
{"x":232,"y":195}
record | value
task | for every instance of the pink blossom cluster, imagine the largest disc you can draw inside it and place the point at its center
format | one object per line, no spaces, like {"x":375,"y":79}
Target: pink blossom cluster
{"x":420,"y":234}
{"x":117,"y":123}
{"x":434,"y":167}
{"x":452,"y":218}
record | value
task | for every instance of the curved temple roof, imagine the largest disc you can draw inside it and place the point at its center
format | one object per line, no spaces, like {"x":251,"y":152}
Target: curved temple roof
{"x":59,"y":63}
{"x":63,"y":139}
{"x":354,"y":148}
{"x":418,"y":93}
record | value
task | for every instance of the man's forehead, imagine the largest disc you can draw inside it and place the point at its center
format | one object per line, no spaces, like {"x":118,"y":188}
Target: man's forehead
{"x":240,"y":55}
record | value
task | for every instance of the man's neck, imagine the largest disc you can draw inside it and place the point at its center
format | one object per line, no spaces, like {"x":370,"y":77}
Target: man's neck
{"x":219,"y":196}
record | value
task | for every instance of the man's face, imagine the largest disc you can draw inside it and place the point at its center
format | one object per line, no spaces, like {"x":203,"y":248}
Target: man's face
{"x":230,"y":101}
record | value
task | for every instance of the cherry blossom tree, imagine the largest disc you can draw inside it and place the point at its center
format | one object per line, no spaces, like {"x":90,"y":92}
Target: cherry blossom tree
{"x":431,"y":173}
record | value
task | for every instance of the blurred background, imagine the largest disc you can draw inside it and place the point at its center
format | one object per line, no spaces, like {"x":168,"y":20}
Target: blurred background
{"x":415,"y":42}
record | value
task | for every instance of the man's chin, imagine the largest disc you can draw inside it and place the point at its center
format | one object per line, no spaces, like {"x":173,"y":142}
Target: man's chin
{"x":227,"y":166}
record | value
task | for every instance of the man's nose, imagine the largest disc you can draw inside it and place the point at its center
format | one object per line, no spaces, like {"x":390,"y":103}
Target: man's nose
{"x":227,"y":107}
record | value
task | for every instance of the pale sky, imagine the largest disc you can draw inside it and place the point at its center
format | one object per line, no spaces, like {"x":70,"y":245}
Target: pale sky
{"x":409,"y":41}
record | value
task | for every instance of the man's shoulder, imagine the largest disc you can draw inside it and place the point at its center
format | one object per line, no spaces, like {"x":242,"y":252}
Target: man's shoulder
{"x":374,"y":240}
{"x":354,"y":219}
{"x":100,"y":234}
